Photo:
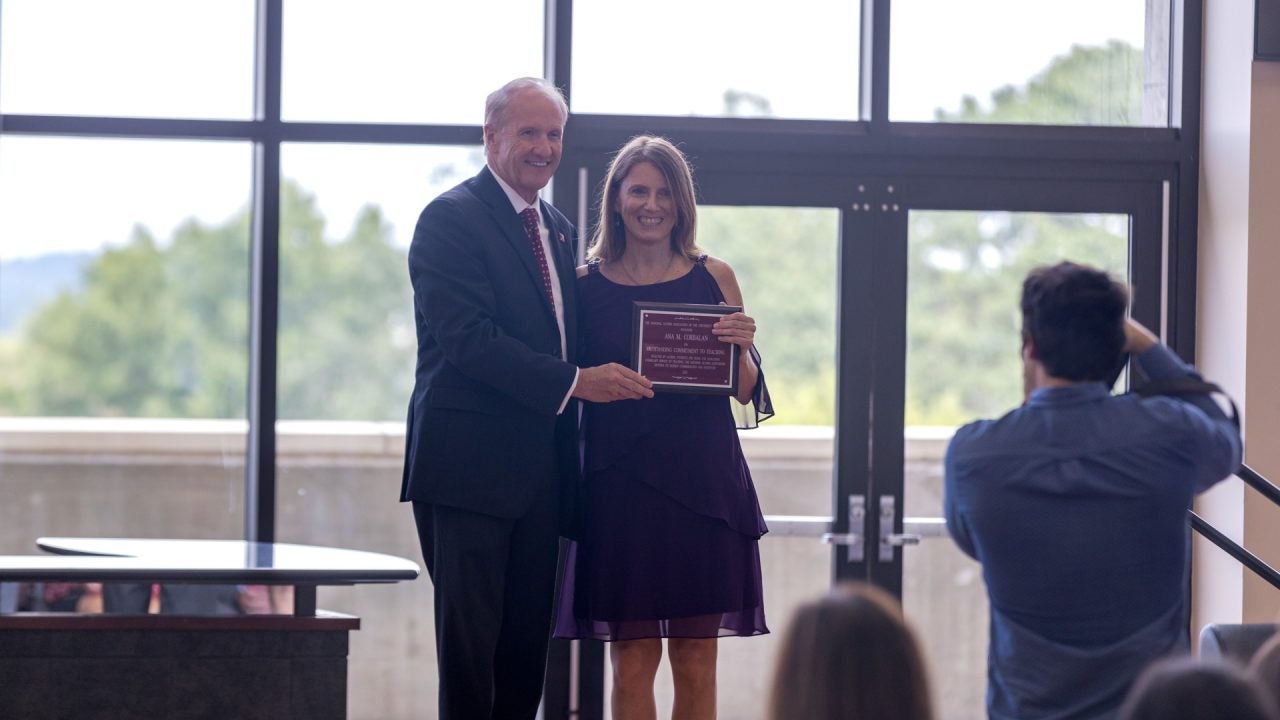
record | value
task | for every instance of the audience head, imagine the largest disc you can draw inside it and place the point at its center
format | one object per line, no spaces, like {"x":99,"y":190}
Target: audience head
{"x":1265,"y":668}
{"x":609,"y":242}
{"x":1073,"y":321}
{"x":1191,"y":689}
{"x":850,"y":655}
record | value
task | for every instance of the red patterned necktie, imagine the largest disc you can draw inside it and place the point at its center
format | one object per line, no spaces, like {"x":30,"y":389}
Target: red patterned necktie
{"x":529,"y":216}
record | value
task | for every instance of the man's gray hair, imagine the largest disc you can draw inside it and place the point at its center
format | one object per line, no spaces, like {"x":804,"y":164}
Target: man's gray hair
{"x":495,"y":106}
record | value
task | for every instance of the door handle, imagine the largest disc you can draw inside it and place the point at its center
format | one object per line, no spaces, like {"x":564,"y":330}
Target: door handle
{"x":888,"y":538}
{"x":854,"y":541}
{"x":900,"y":539}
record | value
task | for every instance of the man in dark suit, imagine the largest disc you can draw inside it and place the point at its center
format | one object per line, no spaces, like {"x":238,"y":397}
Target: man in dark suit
{"x":491,"y":457}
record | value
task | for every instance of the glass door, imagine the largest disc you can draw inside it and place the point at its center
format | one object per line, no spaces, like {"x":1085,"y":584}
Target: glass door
{"x":785,"y":261}
{"x":788,"y":241}
{"x":951,"y":354}
{"x":888,"y":316}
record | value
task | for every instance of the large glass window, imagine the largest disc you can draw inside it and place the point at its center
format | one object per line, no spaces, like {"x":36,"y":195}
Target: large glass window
{"x":125,"y":264}
{"x":404,"y":61}
{"x":123,"y":340}
{"x":137,"y":58}
{"x":125,"y":276}
{"x":347,"y":344}
{"x":1093,"y":62}
{"x":718,"y":57}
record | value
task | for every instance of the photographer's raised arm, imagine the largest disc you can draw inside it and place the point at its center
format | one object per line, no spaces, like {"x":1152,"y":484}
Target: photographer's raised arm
{"x":1216,"y":434}
{"x":1137,"y":338}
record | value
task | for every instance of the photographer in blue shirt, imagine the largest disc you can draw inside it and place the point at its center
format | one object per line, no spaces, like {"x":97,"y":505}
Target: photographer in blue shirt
{"x":1075,"y":503}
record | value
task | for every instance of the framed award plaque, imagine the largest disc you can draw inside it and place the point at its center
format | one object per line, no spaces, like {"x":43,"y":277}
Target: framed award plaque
{"x":672,"y":345}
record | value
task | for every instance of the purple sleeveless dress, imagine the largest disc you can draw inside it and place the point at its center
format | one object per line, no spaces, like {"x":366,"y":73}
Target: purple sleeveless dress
{"x":672,"y":523}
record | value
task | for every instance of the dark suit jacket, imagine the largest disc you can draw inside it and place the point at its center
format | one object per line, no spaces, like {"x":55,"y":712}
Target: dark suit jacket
{"x":483,"y":433}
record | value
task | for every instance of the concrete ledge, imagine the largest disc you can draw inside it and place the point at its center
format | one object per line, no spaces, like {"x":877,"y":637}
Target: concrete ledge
{"x":95,"y":438}
{"x":135,"y":440}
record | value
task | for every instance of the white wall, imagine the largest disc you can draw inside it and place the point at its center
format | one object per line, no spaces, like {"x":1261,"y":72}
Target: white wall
{"x":1262,"y":436}
{"x":1237,"y":340}
{"x":1223,"y":275}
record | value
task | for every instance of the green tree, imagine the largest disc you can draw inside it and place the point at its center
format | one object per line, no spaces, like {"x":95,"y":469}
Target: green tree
{"x":965,"y":272}
{"x":1091,"y":85}
{"x":161,"y":329}
{"x":785,"y":262}
{"x":965,"y":269}
{"x":95,"y":352}
{"x":346,"y":342}
{"x":741,"y":103}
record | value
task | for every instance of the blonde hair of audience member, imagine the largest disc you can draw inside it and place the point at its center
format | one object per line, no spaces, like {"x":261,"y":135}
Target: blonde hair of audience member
{"x":1185,"y":688}
{"x":1265,"y":668}
{"x":850,"y":655}
{"x":610,"y":240}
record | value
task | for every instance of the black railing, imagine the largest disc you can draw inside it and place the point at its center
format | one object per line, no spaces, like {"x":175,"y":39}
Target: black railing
{"x":1259,"y":483}
{"x":1231,"y":547}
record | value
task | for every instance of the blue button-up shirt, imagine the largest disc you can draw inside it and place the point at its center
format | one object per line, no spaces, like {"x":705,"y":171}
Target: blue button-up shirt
{"x":1075,"y":504}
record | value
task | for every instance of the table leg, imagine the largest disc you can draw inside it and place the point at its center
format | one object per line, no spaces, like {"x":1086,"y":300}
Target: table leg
{"x":304,"y":600}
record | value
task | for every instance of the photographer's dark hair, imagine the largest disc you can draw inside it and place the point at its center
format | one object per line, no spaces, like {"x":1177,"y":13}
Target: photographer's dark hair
{"x":1074,"y":314}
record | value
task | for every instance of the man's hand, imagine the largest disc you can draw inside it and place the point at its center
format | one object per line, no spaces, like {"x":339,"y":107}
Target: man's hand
{"x":1137,"y":338}
{"x":606,"y":383}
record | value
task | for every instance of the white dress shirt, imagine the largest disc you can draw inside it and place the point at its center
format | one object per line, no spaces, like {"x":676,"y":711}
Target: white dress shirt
{"x":519,"y":204}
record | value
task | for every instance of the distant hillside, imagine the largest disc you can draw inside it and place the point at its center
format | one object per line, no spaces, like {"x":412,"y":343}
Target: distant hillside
{"x":27,"y":283}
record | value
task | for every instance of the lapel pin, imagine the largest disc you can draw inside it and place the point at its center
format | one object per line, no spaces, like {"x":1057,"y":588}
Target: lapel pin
{"x":561,"y":238}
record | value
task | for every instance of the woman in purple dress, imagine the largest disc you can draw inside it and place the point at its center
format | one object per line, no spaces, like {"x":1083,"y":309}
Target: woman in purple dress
{"x":670,"y":541}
